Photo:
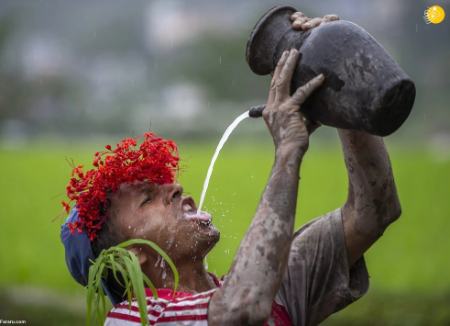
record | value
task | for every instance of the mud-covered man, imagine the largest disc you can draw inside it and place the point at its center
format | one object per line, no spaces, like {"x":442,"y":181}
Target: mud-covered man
{"x":278,"y":277}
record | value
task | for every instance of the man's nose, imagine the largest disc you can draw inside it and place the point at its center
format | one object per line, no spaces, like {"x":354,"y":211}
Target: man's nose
{"x":173,"y":192}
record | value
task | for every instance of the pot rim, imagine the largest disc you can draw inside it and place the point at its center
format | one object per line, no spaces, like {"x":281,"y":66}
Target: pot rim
{"x":254,"y":47}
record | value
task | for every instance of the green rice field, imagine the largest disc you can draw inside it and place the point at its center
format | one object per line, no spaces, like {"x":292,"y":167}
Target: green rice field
{"x":410,"y":262}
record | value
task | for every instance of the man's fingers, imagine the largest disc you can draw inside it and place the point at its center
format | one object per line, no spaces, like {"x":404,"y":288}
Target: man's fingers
{"x":296,"y":15}
{"x":298,"y":23}
{"x":302,"y":22}
{"x":276,"y":74}
{"x":331,"y":17}
{"x":302,"y":93}
{"x":280,"y":65}
{"x":284,"y":81}
{"x":312,"y":23}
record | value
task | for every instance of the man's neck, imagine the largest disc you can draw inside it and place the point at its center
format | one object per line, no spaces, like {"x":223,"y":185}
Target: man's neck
{"x":193,"y":276}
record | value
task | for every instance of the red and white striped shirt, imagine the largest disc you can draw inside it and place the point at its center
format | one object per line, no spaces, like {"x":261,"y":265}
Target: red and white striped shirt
{"x":179,"y":308}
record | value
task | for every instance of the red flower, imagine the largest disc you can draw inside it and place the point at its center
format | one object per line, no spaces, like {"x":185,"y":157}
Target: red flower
{"x":66,"y":206}
{"x":155,"y":160}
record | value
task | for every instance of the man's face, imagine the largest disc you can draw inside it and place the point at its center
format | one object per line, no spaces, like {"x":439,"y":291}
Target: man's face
{"x":160,"y":213}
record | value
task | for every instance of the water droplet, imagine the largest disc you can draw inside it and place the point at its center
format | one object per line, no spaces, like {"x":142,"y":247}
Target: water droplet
{"x":158,"y":261}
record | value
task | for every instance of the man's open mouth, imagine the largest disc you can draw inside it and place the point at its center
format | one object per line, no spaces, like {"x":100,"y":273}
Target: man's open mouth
{"x":190,"y":212}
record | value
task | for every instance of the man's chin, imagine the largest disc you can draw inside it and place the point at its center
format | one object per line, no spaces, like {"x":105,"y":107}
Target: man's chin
{"x":201,"y":229}
{"x":207,"y":238}
{"x":209,"y":234}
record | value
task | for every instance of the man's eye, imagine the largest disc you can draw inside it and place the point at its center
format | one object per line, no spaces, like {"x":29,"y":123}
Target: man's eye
{"x":146,"y":200}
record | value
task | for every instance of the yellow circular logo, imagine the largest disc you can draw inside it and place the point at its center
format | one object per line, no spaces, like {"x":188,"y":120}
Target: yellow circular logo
{"x":434,"y":14}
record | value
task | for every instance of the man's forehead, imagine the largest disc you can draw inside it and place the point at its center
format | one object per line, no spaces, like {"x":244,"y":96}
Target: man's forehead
{"x":137,"y":187}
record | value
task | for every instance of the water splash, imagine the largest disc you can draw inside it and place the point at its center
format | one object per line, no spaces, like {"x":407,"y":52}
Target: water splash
{"x":222,"y":142}
{"x":158,"y":261}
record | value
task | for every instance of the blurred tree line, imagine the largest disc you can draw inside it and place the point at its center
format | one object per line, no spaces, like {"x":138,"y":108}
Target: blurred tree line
{"x":87,"y":68}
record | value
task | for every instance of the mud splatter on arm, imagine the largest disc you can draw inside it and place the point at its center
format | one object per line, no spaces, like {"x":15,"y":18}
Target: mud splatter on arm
{"x":372,"y":202}
{"x":249,"y":289}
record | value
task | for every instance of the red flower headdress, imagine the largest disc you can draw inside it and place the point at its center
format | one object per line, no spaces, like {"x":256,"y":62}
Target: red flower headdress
{"x":155,"y":160}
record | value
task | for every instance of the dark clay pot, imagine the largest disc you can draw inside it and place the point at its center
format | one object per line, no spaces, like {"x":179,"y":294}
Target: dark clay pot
{"x":364,"y":89}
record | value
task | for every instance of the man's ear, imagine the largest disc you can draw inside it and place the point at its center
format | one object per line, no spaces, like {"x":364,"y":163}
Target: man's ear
{"x":140,"y":254}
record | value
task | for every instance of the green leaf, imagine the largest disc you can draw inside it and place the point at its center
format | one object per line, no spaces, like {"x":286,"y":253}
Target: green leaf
{"x":150,"y":285}
{"x":112,"y":265}
{"x":119,"y":260}
{"x":161,"y":252}
{"x":138,"y":287}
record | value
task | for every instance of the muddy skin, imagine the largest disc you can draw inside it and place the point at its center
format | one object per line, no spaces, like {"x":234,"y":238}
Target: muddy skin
{"x":247,"y":293}
{"x":143,"y":210}
{"x":372,"y":202}
{"x":255,"y":276}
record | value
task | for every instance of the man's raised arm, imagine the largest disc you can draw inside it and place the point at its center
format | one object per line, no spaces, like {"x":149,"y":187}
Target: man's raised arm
{"x":248,"y":291}
{"x":372,"y":202}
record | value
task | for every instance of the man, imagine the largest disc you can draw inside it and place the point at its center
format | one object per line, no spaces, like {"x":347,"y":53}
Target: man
{"x":277,"y":277}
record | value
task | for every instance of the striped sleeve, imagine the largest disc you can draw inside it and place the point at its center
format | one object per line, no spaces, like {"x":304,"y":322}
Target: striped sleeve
{"x":191,"y":310}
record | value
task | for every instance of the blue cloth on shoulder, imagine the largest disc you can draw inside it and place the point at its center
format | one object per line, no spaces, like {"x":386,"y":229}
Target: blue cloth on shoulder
{"x":79,"y":254}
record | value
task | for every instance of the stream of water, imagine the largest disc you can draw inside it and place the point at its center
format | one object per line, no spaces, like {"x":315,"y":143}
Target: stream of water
{"x":222,"y":142}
